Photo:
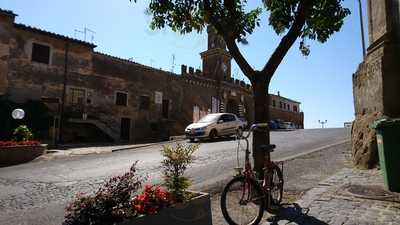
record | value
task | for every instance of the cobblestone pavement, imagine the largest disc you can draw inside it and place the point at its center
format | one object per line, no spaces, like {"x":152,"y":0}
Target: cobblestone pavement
{"x":24,"y":199}
{"x":331,"y":203}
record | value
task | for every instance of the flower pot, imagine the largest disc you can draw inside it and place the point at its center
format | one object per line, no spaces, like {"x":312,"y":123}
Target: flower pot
{"x":11,"y":155}
{"x":196,"y":211}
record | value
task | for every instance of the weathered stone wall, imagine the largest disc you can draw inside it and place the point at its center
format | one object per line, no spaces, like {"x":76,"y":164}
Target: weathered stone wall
{"x":377,"y":23}
{"x":368,"y":85}
{"x":182,"y":92}
{"x":101,"y":76}
{"x":376,"y":84}
{"x":6,"y":23}
{"x":30,"y":80}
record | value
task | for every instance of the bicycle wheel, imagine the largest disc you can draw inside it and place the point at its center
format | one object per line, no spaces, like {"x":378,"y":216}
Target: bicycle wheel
{"x":242,"y":202}
{"x":275,"y":194}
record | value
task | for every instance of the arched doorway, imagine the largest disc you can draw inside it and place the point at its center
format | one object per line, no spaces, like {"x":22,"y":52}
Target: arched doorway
{"x":232,"y":107}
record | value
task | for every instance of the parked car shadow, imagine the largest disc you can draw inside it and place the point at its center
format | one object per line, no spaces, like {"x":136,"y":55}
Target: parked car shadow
{"x":283,"y":130}
{"x":220,"y":139}
{"x":294,"y":213}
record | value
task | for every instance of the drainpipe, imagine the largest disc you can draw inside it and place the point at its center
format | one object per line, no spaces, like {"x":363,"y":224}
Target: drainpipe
{"x":63,"y":91}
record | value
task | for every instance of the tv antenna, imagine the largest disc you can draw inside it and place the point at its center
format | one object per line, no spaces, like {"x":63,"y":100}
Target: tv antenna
{"x":86,"y":31}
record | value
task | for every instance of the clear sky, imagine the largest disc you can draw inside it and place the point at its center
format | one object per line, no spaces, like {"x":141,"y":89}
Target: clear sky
{"x":322,"y":82}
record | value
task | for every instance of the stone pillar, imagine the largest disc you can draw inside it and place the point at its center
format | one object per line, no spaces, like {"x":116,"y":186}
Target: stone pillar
{"x":376,"y":84}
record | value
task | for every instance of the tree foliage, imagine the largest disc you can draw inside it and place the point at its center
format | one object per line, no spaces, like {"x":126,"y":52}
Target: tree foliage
{"x":233,"y":19}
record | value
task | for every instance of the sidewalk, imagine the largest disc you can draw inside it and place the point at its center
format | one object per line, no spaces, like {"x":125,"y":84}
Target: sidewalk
{"x":350,"y":197}
{"x":75,"y":150}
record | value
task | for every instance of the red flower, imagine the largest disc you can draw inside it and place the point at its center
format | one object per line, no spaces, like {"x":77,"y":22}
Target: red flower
{"x":19,"y":143}
{"x":151,"y":200}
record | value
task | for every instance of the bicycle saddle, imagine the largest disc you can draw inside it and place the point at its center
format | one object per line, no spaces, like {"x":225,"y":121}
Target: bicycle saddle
{"x":267,"y":148}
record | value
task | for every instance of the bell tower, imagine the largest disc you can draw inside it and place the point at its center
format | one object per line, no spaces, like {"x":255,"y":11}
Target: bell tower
{"x":216,"y":60}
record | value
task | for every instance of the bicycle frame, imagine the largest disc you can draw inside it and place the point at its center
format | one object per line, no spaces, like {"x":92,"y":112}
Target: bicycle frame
{"x":268,"y":164}
{"x":260,"y":196}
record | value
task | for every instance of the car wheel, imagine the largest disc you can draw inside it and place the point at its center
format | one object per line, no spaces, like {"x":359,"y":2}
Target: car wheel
{"x":213,"y":134}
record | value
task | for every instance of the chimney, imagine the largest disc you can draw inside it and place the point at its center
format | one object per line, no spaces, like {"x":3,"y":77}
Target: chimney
{"x":7,"y":15}
{"x":183,"y":69}
{"x":191,"y":70}
{"x":279,"y":93}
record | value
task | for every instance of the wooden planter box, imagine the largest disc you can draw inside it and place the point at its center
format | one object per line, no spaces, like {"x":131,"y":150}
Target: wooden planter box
{"x":197,"y":211}
{"x":12,"y":155}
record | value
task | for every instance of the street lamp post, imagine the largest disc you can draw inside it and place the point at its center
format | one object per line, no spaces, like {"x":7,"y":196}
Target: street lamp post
{"x":362,"y":28}
{"x":322,"y":123}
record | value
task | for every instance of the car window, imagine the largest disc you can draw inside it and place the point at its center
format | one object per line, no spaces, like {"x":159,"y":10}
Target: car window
{"x":224,"y":118}
{"x":231,"y":118}
{"x":208,"y":118}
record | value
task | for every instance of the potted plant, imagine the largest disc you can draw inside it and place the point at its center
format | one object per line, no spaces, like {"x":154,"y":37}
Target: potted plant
{"x":185,"y":207}
{"x":110,"y":204}
{"x":119,"y":201}
{"x":21,"y":149}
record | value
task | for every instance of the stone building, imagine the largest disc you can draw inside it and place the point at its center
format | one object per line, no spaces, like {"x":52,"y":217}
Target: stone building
{"x":102,"y":97}
{"x":286,"y":109}
{"x":376,"y":84}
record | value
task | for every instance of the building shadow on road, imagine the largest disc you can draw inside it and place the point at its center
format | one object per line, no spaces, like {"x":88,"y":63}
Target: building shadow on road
{"x":294,"y":213}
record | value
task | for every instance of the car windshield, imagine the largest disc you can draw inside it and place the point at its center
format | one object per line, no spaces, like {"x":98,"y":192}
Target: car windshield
{"x":209,"y":118}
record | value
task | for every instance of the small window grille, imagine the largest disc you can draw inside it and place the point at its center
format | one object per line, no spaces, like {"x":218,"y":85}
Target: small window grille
{"x":144,"y":102}
{"x":121,"y":99}
{"x":40,"y":53}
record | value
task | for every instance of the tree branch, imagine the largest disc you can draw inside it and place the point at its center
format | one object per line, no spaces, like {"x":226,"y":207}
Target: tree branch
{"x":289,"y":39}
{"x":239,"y":58}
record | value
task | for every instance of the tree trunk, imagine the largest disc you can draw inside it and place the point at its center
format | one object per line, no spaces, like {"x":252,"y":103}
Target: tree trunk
{"x":261,"y":115}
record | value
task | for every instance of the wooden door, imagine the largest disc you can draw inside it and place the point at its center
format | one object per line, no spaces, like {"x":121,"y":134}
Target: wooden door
{"x":125,"y":129}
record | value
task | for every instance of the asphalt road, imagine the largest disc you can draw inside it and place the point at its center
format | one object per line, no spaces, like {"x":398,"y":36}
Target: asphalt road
{"x":36,"y":192}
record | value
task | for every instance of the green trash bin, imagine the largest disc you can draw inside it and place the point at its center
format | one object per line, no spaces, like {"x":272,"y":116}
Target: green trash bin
{"x":388,"y":140}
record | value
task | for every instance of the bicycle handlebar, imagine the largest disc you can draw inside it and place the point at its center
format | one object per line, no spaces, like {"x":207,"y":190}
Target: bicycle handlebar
{"x":255,"y":127}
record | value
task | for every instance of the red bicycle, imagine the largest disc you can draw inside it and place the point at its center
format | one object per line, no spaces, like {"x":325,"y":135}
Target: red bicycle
{"x":244,"y":198}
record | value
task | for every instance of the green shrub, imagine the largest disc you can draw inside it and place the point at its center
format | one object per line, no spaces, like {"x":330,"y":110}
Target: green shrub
{"x":111,"y":203}
{"x":176,"y":161}
{"x":22,"y":133}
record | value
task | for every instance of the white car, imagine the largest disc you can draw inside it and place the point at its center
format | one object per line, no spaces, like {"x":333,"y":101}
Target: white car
{"x":215,"y":125}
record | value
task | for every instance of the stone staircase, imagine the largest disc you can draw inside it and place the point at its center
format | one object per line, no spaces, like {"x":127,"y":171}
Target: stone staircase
{"x":112,"y":132}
